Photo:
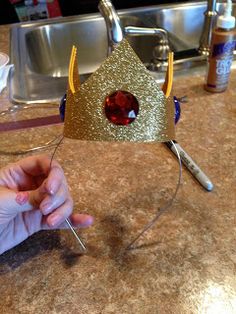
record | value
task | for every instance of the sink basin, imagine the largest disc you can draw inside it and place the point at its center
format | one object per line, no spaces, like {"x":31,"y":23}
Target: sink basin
{"x":40,"y":50}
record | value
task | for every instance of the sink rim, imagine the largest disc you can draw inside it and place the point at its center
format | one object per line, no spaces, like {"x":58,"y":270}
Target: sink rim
{"x":20,"y":30}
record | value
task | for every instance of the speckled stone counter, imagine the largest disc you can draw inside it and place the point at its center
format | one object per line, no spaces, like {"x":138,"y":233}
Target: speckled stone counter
{"x":185,"y":264}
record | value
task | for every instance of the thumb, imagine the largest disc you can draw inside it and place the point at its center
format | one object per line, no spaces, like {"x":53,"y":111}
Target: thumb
{"x":14,"y":202}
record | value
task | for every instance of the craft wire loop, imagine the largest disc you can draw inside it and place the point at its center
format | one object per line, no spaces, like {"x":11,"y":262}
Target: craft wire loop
{"x":17,"y":108}
{"x":163,"y":209}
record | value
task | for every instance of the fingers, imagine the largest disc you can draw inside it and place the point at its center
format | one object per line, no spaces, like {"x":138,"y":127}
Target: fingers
{"x":56,"y":208}
{"x":29,"y":173}
{"x":55,"y":179}
{"x":58,"y":204}
{"x":40,"y":167}
{"x":60,"y":214}
{"x":35,"y":165}
{"x":77,"y":220}
{"x":50,"y":195}
{"x":52,"y":202}
{"x":53,"y":197}
{"x":11,"y":203}
{"x":81,"y":220}
{"x":61,"y":207}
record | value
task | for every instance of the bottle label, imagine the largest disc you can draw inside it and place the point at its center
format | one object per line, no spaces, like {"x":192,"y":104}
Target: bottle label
{"x":220,"y":61}
{"x":223,"y":66}
{"x":223,"y":48}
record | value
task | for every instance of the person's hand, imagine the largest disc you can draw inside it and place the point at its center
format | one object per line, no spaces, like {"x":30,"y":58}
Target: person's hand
{"x":34,"y":195}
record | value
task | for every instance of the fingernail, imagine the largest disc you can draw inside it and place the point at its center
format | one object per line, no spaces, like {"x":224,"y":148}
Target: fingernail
{"x":55,"y":220}
{"x":22,"y":197}
{"x":46,"y":208}
{"x":50,"y":190}
{"x":87,"y":222}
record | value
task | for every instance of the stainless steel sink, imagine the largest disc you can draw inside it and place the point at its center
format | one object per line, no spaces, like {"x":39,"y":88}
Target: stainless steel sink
{"x":40,"y":50}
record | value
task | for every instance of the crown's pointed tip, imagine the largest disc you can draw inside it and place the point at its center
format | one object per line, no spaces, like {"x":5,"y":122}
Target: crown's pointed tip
{"x":84,"y":121}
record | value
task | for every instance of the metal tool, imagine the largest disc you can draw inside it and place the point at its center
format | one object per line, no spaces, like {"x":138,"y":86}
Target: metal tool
{"x":76,"y":234}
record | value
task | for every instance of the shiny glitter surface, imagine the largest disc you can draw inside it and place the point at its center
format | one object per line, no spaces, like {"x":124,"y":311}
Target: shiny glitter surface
{"x":122,"y":70}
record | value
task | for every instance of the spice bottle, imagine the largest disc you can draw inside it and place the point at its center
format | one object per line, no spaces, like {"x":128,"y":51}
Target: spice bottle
{"x":223,"y":43}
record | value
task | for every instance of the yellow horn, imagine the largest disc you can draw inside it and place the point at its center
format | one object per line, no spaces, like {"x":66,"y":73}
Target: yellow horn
{"x":167,"y":86}
{"x":73,"y":71}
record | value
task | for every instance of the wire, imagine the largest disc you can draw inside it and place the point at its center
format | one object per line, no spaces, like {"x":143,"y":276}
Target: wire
{"x":67,"y":220}
{"x":48,"y":144}
{"x":164,"y":208}
{"x":17,"y":108}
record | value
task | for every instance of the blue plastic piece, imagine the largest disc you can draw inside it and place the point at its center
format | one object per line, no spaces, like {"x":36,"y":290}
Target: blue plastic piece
{"x":62,"y":107}
{"x":177,"y":109}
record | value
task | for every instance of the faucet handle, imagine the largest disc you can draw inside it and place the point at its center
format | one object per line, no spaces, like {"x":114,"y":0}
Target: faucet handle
{"x":115,"y":32}
{"x":160,"y":52}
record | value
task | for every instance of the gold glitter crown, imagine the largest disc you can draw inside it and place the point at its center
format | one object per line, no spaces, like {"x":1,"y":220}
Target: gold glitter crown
{"x":85,"y":117}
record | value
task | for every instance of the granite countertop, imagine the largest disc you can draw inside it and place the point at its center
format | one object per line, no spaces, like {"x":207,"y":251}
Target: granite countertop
{"x":185,"y":264}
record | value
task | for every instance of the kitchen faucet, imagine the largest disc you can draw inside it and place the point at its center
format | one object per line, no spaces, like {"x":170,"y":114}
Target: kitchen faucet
{"x":115,"y":32}
{"x":209,"y":22}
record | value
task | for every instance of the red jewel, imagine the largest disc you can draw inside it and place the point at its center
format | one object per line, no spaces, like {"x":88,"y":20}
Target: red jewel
{"x":121,"y":107}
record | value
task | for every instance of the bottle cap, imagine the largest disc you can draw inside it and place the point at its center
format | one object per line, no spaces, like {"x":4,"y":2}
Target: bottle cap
{"x":226,"y":21}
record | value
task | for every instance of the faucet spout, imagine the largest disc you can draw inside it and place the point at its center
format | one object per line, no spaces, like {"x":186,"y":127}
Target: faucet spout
{"x":209,"y":22}
{"x":113,"y":24}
